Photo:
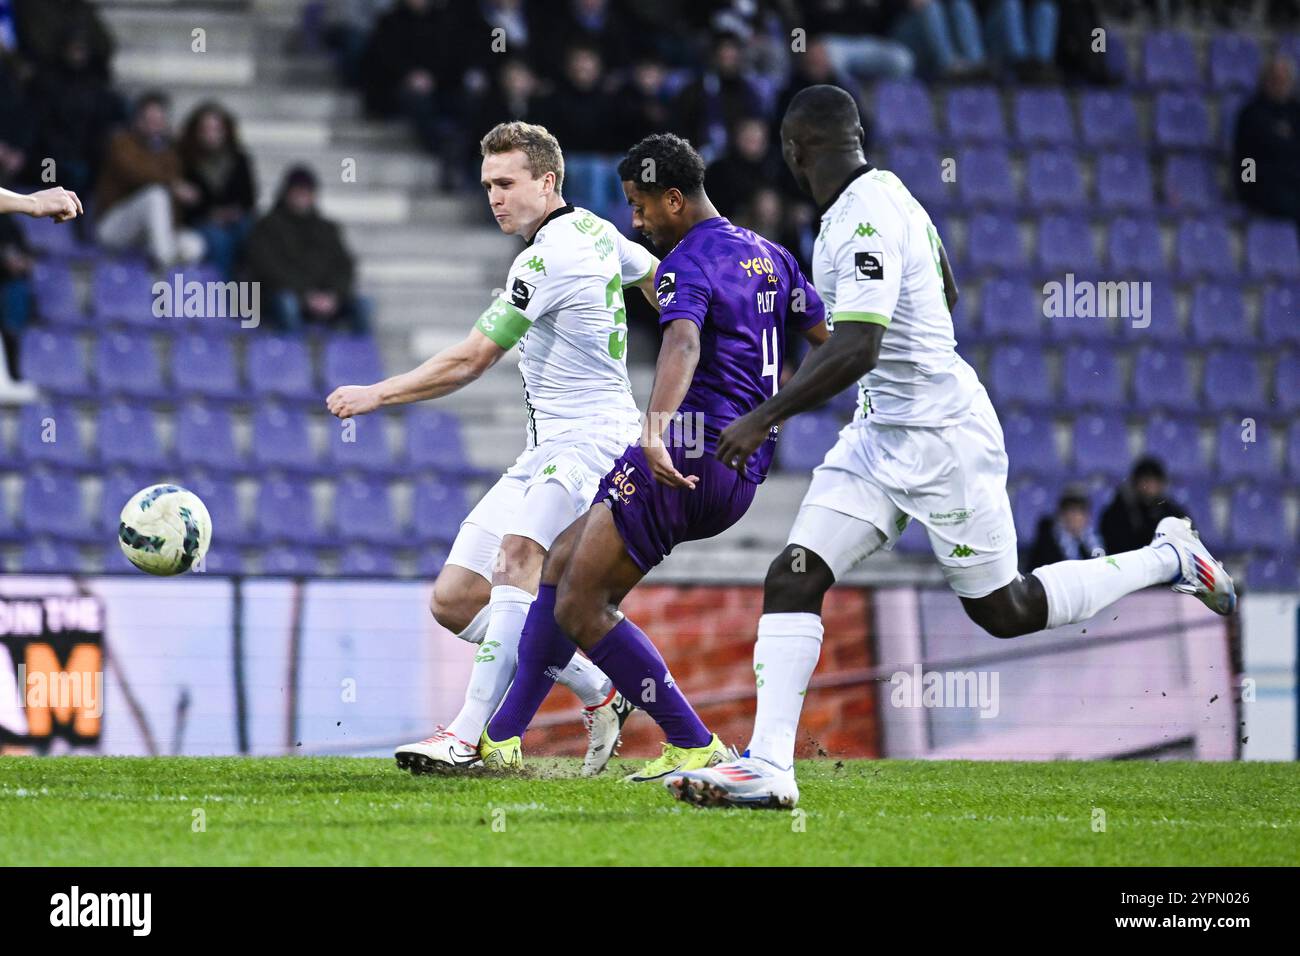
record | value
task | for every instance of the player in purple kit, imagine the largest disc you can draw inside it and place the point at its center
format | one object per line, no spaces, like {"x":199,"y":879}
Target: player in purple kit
{"x":726,"y":296}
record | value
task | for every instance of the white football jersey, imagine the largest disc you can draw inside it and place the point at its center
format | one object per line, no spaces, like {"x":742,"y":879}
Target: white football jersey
{"x":563,"y":305}
{"x":876,"y":259}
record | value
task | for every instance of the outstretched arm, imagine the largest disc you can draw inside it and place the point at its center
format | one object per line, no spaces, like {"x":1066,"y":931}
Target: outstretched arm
{"x":58,"y":204}
{"x":452,"y":368}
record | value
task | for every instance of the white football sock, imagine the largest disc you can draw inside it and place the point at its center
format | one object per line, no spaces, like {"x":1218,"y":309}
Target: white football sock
{"x":784,"y":658}
{"x":586,"y":680}
{"x":495,"y":662}
{"x":1076,"y":590}
{"x":476,"y":628}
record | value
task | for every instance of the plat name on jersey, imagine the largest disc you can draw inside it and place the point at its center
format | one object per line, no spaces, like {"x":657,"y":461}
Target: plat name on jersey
{"x":766,"y":301}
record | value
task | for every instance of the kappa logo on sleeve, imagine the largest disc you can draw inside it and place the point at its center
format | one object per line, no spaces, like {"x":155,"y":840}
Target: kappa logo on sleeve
{"x":667,"y":288}
{"x":521,"y":293}
{"x":868,"y":265}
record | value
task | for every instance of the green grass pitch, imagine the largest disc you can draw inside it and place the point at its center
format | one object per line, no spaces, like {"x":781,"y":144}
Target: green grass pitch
{"x":344,"y":811}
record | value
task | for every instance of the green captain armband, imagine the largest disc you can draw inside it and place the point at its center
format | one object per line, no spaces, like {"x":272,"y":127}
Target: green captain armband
{"x":875,"y":317}
{"x":503,"y":324}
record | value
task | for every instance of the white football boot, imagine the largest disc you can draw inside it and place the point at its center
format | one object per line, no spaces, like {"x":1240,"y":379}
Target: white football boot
{"x":744,"y":782}
{"x":604,"y":723}
{"x":440,"y":753}
{"x":1201,"y":574}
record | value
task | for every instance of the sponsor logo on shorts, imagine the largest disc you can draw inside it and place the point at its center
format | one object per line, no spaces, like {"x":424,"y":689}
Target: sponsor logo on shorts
{"x":962,"y":551}
{"x":956,"y":516}
{"x":868,"y":265}
{"x":621,"y":487}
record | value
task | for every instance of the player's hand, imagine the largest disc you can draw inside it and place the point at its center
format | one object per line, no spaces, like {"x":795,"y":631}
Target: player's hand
{"x":661,"y":466}
{"x":740,"y":440}
{"x":58,"y":204}
{"x":348,"y":400}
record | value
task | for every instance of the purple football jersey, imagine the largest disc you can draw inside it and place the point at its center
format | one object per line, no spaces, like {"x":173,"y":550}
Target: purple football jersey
{"x":742,"y":291}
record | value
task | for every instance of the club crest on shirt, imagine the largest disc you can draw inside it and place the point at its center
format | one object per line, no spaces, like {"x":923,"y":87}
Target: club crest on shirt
{"x":667,"y":288}
{"x":521,"y":293}
{"x":868,"y":265}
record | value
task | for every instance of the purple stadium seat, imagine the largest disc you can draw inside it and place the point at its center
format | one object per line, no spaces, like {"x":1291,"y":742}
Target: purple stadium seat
{"x":351,"y":360}
{"x":1043,"y":117}
{"x":1238,"y":459}
{"x":222,"y":500}
{"x":1100,"y":445}
{"x":55,"y":361}
{"x":54,"y":240}
{"x":205,"y":438}
{"x":1218,"y":314}
{"x":1235,"y":61}
{"x":365,"y":448}
{"x":1030,"y":503}
{"x":1108,"y":118}
{"x":438,"y":509}
{"x":55,"y":292}
{"x":1124,"y":181}
{"x":1286,"y":384}
{"x":1161,"y":379}
{"x":1065,"y":245}
{"x":9,"y":531}
{"x":429,"y":562}
{"x":993,"y":244}
{"x":921,"y":169}
{"x":1272,"y":250}
{"x":285,"y":514}
{"x":1031,"y":448}
{"x":51,"y":506}
{"x":1053,"y":181}
{"x":1293,"y":450}
{"x":434,"y":441}
{"x":281,"y":441}
{"x":1189,"y":184}
{"x":805,"y":440}
{"x":363,"y":512}
{"x":975,"y":115}
{"x":121,"y":290}
{"x":281,"y":366}
{"x":984,"y":177}
{"x":1196,"y":495}
{"x":913,"y":540}
{"x":1169,"y":59}
{"x":285,"y":561}
{"x":118,"y":488}
{"x":1279,"y":315}
{"x":1091,"y":378}
{"x":205,"y":365}
{"x":1134,"y":248}
{"x":58,"y":422}
{"x":904,"y":112}
{"x":1010,"y":310}
{"x":1182,"y":122}
{"x":1176,"y":442}
{"x":50,"y":557}
{"x":1163,"y":323}
{"x":127,"y":364}
{"x":362,"y":562}
{"x":1018,"y":373}
{"x":127,"y":435}
{"x":1232,"y":381}
{"x":1274,"y":572}
{"x":1204,"y":249}
{"x":222,"y":561}
{"x":1257,"y":520}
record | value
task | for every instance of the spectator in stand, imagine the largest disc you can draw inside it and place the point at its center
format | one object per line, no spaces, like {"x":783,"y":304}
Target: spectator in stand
{"x":579,"y":112}
{"x":709,"y":107}
{"x":812,"y":67}
{"x":347,"y":28}
{"x":1066,"y":536}
{"x":1130,"y":520}
{"x":1268,"y":131}
{"x":15,"y":293}
{"x":17,"y":122}
{"x":749,"y":165}
{"x":44,"y":26}
{"x":598,"y":24}
{"x":77,"y":111}
{"x":950,"y":40}
{"x":305,"y":270}
{"x":214,"y":161}
{"x":644,"y":104}
{"x":855,"y":34}
{"x":141,"y":189}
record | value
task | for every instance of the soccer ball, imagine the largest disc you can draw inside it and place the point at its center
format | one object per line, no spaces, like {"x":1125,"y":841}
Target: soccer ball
{"x":165,"y":529}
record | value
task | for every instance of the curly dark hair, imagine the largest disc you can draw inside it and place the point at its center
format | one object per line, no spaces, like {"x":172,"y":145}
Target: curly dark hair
{"x":661,"y":162}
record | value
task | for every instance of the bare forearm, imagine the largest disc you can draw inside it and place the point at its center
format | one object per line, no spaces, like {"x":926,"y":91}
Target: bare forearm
{"x":440,"y":375}
{"x":16,"y":202}
{"x":673,"y":374}
{"x":827,"y":371}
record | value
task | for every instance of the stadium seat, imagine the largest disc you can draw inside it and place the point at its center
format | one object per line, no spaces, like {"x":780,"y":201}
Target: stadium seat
{"x":1018,"y":373}
{"x":364,"y":513}
{"x":1169,"y":59}
{"x":121,"y":290}
{"x":1161,"y":380}
{"x":1031,"y":448}
{"x":974,"y":115}
{"x":920,"y":168}
{"x":54,"y":361}
{"x":1163,"y":323}
{"x":1100,"y":445}
{"x":52,"y":506}
{"x":1065,"y":245}
{"x":434,"y":441}
{"x":1176,"y":442}
{"x":993,"y":244}
{"x":1124,"y":182}
{"x":1204,"y":249}
{"x":221,"y":560}
{"x":429,"y":562}
{"x":55,"y":294}
{"x":1053,"y":181}
{"x":127,"y":435}
{"x":222,"y":500}
{"x":1182,"y":122}
{"x":281,"y":366}
{"x":1256,"y":519}
{"x":50,"y":239}
{"x":205,"y":438}
{"x":204,"y":365}
{"x":363,"y":562}
{"x":904,"y":112}
{"x":805,"y":440}
{"x":1279,"y":315}
{"x":1031,"y":502}
{"x":1218,"y":315}
{"x":127,"y":364}
{"x":1235,"y":62}
{"x":285,"y":514}
{"x":1286,"y":384}
{"x":1274,"y":572}
{"x":1238,"y":459}
{"x":1091,"y":378}
{"x":351,"y":360}
{"x":1010,"y":310}
{"x":1272,"y":251}
{"x":437,"y":510}
{"x":1232,"y":381}
{"x":1108,"y":118}
{"x":51,"y":557}
{"x":1196,"y":495}
{"x":283,"y":561}
{"x":9,"y":530}
{"x":1189,"y":184}
{"x":58,"y":422}
{"x":1043,"y":117}
{"x":281,"y":441}
{"x":360,"y":444}
{"x":984,"y":177}
{"x":1134,"y":248}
